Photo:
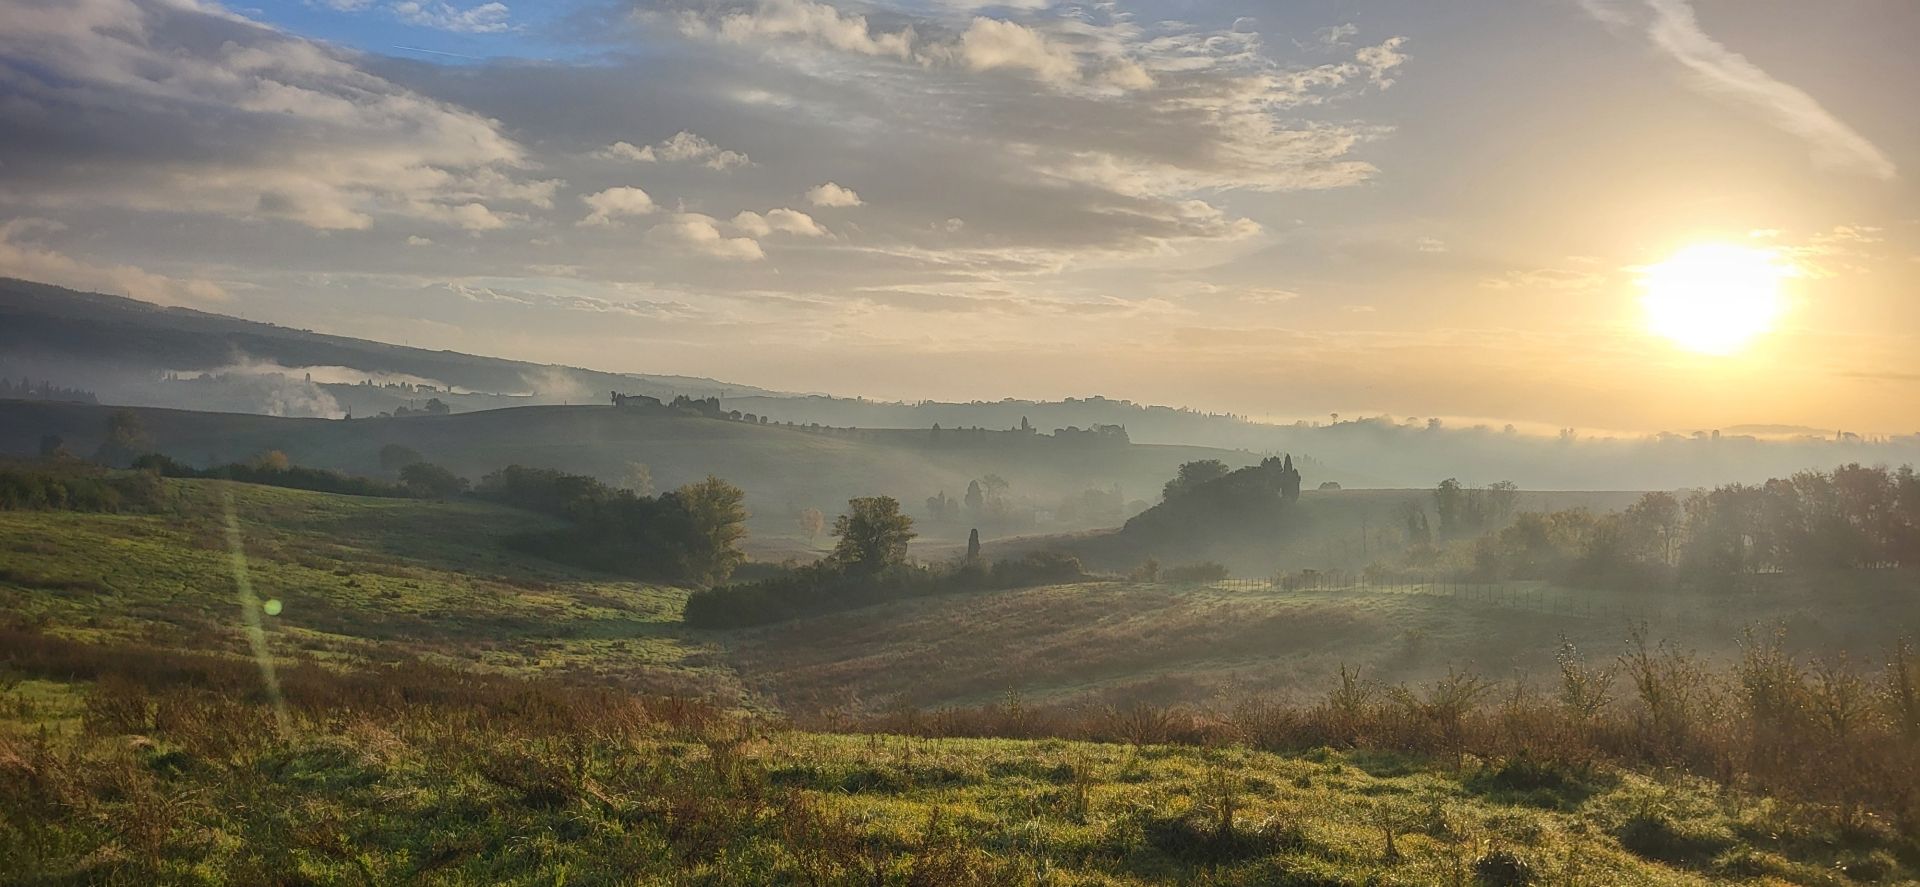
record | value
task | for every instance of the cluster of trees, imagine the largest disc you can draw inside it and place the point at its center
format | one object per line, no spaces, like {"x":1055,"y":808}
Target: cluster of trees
{"x":1852,"y":517}
{"x":72,"y":485}
{"x":1206,"y":501}
{"x":868,"y":565}
{"x":1467,"y":510}
{"x":433,"y":407}
{"x":26,"y":390}
{"x":986,"y":500}
{"x":272,"y":468}
{"x":706,"y":407}
{"x":691,"y":535}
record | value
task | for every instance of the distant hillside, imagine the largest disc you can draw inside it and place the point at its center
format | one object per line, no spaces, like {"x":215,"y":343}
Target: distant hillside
{"x":783,"y":469}
{"x":136,"y":352}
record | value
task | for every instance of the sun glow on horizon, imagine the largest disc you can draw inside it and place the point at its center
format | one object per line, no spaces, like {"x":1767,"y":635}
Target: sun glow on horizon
{"x":1714,"y":298}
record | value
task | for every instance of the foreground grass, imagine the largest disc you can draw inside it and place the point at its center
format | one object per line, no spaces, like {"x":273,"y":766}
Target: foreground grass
{"x":527,"y":784}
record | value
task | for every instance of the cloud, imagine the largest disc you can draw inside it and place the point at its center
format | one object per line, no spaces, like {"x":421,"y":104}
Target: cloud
{"x":486,"y":18}
{"x":692,"y":232}
{"x":683,"y":146}
{"x":614,"y":204}
{"x":832,"y":195}
{"x":788,"y":221}
{"x":163,"y":107}
{"x":21,"y":257}
{"x":803,"y":20}
{"x":1672,"y":27}
{"x":991,"y":44}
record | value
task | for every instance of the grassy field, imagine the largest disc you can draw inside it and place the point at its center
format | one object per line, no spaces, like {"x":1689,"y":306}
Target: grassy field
{"x":356,"y":579}
{"x":1114,"y":642}
{"x":193,"y":792}
{"x":460,"y":714}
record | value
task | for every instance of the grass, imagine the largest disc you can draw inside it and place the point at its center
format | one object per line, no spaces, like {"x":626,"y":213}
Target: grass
{"x":357,"y":579}
{"x":459,"y":714}
{"x":524,"y":785}
{"x":1118,"y":641}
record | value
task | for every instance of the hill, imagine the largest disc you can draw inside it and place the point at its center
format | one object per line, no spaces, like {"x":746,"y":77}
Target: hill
{"x":783,"y":469}
{"x":139,"y":353}
{"x":449,"y":712}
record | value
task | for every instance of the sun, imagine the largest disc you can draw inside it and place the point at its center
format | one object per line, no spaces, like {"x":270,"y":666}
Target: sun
{"x":1714,"y":298}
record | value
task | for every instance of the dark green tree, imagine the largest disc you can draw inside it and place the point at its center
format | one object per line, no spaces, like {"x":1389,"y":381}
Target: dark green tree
{"x":1192,"y":475}
{"x":717,"y":513}
{"x":126,"y":439}
{"x":873,"y":535}
{"x":430,"y":480}
{"x":973,"y":545}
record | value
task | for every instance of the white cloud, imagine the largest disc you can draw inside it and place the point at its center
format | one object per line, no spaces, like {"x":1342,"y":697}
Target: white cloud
{"x":614,"y":204}
{"x":1673,"y":28}
{"x":752,"y":224}
{"x":696,"y":233}
{"x":832,"y":195}
{"x":486,"y":18}
{"x":991,"y":44}
{"x":683,"y":146}
{"x":803,"y":20}
{"x":793,"y":221}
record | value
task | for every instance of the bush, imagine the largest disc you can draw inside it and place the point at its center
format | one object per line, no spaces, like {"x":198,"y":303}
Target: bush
{"x":66,"y":485}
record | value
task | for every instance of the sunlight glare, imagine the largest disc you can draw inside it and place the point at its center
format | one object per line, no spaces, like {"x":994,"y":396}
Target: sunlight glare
{"x":1714,"y":298}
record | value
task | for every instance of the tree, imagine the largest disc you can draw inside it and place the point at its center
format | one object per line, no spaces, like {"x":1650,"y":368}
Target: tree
{"x":126,"y":439}
{"x":973,"y":545}
{"x":1450,"y":500}
{"x":717,"y":514}
{"x":272,"y":460}
{"x":873,"y":534}
{"x":437,"y":407}
{"x":638,"y":478}
{"x":428,"y":479}
{"x":1501,"y":498}
{"x":812,"y":523}
{"x":1289,"y":480}
{"x":53,"y":446}
{"x":975,"y":499}
{"x":1192,"y":475}
{"x":394,"y":457}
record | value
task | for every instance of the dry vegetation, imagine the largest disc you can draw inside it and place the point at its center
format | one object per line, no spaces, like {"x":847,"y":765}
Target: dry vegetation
{"x":457,"y":714}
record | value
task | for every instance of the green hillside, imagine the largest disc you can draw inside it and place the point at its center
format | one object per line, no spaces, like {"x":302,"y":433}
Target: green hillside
{"x":357,"y":579}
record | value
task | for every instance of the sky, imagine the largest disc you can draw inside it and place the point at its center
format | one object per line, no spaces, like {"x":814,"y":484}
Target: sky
{"x":1278,"y":210}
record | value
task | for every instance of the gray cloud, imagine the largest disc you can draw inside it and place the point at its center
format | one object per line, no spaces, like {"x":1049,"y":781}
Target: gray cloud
{"x":170,"y":108}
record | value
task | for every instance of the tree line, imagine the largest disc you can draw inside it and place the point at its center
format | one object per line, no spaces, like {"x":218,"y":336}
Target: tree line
{"x":1852,"y":517}
{"x":869,"y":565}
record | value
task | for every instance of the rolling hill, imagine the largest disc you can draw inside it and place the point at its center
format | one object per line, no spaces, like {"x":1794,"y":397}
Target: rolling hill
{"x":783,"y":469}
